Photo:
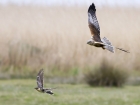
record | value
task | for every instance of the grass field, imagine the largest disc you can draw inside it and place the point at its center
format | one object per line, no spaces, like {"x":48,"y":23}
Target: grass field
{"x":22,"y":92}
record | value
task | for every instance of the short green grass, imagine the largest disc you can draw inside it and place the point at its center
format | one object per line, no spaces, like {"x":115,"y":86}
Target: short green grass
{"x":22,"y":92}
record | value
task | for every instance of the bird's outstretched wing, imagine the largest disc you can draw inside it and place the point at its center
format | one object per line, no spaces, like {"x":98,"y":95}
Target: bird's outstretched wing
{"x":93,"y":23}
{"x":122,"y":50}
{"x":40,"y":79}
{"x":51,"y":88}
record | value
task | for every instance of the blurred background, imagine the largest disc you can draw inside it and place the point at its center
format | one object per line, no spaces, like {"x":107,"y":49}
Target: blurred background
{"x":52,"y":34}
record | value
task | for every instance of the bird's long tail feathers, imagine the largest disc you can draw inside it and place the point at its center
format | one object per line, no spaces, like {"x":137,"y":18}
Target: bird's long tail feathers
{"x":108,"y":45}
{"x":49,"y":92}
{"x":110,"y":48}
{"x":122,"y":50}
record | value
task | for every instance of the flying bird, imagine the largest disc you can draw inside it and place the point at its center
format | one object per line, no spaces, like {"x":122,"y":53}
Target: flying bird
{"x":40,"y":84}
{"x":95,"y":32}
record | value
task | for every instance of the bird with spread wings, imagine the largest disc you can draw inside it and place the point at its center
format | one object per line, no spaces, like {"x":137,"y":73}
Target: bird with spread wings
{"x":40,"y":84}
{"x":95,"y":32}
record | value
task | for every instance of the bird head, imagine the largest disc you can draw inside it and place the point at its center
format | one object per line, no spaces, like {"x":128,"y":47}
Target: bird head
{"x":90,"y":42}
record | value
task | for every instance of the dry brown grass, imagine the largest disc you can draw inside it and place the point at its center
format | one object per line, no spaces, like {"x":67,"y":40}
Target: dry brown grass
{"x":55,"y":38}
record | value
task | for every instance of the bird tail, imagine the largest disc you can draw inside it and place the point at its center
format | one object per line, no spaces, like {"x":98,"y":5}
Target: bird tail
{"x":108,"y":45}
{"x":49,"y":92}
{"x":109,"y":48}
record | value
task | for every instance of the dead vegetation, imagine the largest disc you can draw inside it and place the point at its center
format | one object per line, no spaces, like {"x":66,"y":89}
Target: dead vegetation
{"x":54,"y":38}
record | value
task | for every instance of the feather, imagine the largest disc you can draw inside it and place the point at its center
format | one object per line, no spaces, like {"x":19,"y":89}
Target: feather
{"x":40,"y":79}
{"x":93,"y":23}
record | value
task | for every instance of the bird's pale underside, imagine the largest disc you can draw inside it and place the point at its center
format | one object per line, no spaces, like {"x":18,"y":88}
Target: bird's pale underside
{"x":40,"y":84}
{"x":95,"y":32}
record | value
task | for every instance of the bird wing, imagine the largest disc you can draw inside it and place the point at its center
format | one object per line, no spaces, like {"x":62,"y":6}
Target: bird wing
{"x":40,"y":79}
{"x":93,"y":23}
{"x":51,"y":88}
{"x":123,"y":50}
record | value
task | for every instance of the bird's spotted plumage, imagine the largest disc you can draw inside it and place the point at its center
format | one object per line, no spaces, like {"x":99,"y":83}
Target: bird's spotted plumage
{"x":95,"y":32}
{"x":39,"y":87}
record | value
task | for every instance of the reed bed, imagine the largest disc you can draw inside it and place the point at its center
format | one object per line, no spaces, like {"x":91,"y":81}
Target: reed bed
{"x":54,"y":38}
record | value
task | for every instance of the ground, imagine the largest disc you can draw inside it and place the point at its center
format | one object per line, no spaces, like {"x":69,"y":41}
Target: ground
{"x":22,"y":92}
